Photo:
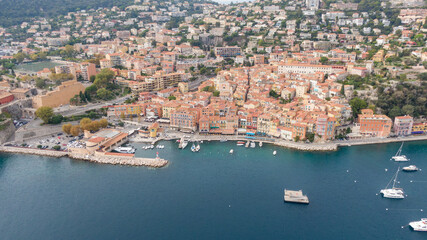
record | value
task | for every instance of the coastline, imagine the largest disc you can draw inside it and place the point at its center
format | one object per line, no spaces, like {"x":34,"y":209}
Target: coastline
{"x":116,"y":160}
{"x":327,"y":146}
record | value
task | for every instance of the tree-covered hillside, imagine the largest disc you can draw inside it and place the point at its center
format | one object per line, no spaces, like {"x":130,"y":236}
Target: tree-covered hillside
{"x":14,"y":12}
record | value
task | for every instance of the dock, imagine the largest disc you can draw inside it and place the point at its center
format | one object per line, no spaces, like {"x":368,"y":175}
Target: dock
{"x":296,"y":197}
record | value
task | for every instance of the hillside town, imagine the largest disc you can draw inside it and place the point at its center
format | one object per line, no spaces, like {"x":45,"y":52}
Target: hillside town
{"x":301,"y":71}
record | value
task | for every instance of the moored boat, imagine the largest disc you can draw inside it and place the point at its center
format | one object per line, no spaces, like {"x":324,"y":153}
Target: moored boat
{"x":394,"y":193}
{"x":231,"y":151}
{"x":399,"y":157}
{"x":274,"y":153}
{"x":240,"y":143}
{"x":420,"y":226}
{"x":253,"y":145}
{"x":410,"y":168}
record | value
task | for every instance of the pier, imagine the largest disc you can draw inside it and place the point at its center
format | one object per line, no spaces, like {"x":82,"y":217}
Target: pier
{"x":113,"y":160}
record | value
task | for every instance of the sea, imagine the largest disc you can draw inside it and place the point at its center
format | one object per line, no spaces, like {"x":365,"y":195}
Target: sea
{"x":213,"y":194}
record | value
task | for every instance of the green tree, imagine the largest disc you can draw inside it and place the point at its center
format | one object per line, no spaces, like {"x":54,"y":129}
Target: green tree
{"x":171,"y":97}
{"x":40,"y":83}
{"x":324,"y":60}
{"x":104,"y":78}
{"x":104,"y":94}
{"x":44,"y":113}
{"x":357,"y":104}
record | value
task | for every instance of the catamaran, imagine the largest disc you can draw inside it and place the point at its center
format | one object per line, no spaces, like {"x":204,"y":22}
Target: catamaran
{"x":399,"y":157}
{"x":396,"y":193}
{"x":420,"y":226}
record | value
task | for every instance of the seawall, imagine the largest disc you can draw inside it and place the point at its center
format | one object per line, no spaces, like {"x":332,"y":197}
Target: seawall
{"x":116,"y":160}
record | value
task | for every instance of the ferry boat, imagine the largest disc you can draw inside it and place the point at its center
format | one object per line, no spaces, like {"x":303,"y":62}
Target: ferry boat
{"x":394,"y":193}
{"x":296,"y":197}
{"x":410,"y":168}
{"x":125,"y":150}
{"x":399,"y":157}
{"x":240,"y":143}
{"x":420,"y":226}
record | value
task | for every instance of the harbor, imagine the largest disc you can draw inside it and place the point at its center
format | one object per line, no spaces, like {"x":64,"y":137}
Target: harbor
{"x":249,"y":184}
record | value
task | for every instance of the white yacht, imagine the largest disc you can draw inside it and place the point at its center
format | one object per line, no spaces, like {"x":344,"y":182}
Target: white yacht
{"x":399,"y":157}
{"x":184,"y":144}
{"x":125,"y":150}
{"x":395,"y":193}
{"x":410,"y":168}
{"x":420,"y":226}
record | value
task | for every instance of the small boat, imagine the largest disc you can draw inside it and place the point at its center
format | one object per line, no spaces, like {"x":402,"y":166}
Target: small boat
{"x":201,"y":141}
{"x":223,"y":140}
{"x":193,"y":148}
{"x":184,"y":144}
{"x":240,"y":143}
{"x":231,"y":151}
{"x":419,"y":226}
{"x":274,"y":153}
{"x":394,"y":193}
{"x":197,"y":148}
{"x":253,"y":145}
{"x":410,"y":168}
{"x":125,"y":150}
{"x":260,"y":144}
{"x":399,"y":157}
{"x":247,"y":144}
{"x":151,"y":146}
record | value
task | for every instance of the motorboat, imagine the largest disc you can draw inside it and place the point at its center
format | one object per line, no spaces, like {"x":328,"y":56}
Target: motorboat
{"x":193,"y":148}
{"x":247,"y":144}
{"x":125,"y":150}
{"x":184,"y":144}
{"x":410,"y":168}
{"x":240,"y":143}
{"x":274,"y":153}
{"x":393,"y":192}
{"x":399,"y":157}
{"x":419,"y":226}
{"x":253,"y":145}
{"x":231,"y":151}
{"x":260,"y":144}
{"x":197,"y":148}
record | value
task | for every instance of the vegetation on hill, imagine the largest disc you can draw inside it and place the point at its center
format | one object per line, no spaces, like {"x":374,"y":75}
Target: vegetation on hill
{"x":18,"y":11}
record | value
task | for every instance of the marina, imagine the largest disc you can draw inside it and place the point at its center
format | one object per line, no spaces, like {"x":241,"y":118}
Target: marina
{"x":249,"y":186}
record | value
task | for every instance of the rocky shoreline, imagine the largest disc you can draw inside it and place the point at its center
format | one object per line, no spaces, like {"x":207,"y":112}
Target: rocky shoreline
{"x":116,"y":160}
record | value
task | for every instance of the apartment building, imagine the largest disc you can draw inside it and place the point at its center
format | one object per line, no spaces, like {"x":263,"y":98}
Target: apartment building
{"x":374,"y":125}
{"x":403,"y":125}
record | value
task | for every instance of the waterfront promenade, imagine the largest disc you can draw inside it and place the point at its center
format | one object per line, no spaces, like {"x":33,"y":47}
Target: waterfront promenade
{"x":113,"y":160}
{"x":324,"y":146}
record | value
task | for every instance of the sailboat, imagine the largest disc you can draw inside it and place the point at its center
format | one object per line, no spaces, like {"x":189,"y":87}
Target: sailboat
{"x":399,"y":157}
{"x":396,"y":193}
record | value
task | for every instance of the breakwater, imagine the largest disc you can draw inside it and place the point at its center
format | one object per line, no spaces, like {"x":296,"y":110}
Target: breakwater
{"x":113,"y":160}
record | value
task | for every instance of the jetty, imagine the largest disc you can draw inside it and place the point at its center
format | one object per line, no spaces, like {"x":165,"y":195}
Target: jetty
{"x":113,"y":159}
{"x":296,"y":197}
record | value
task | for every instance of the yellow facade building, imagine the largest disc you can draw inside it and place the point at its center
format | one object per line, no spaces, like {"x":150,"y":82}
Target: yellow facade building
{"x":60,"y":96}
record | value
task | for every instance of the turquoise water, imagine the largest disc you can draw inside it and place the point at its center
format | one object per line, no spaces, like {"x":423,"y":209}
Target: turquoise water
{"x":214,"y":195}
